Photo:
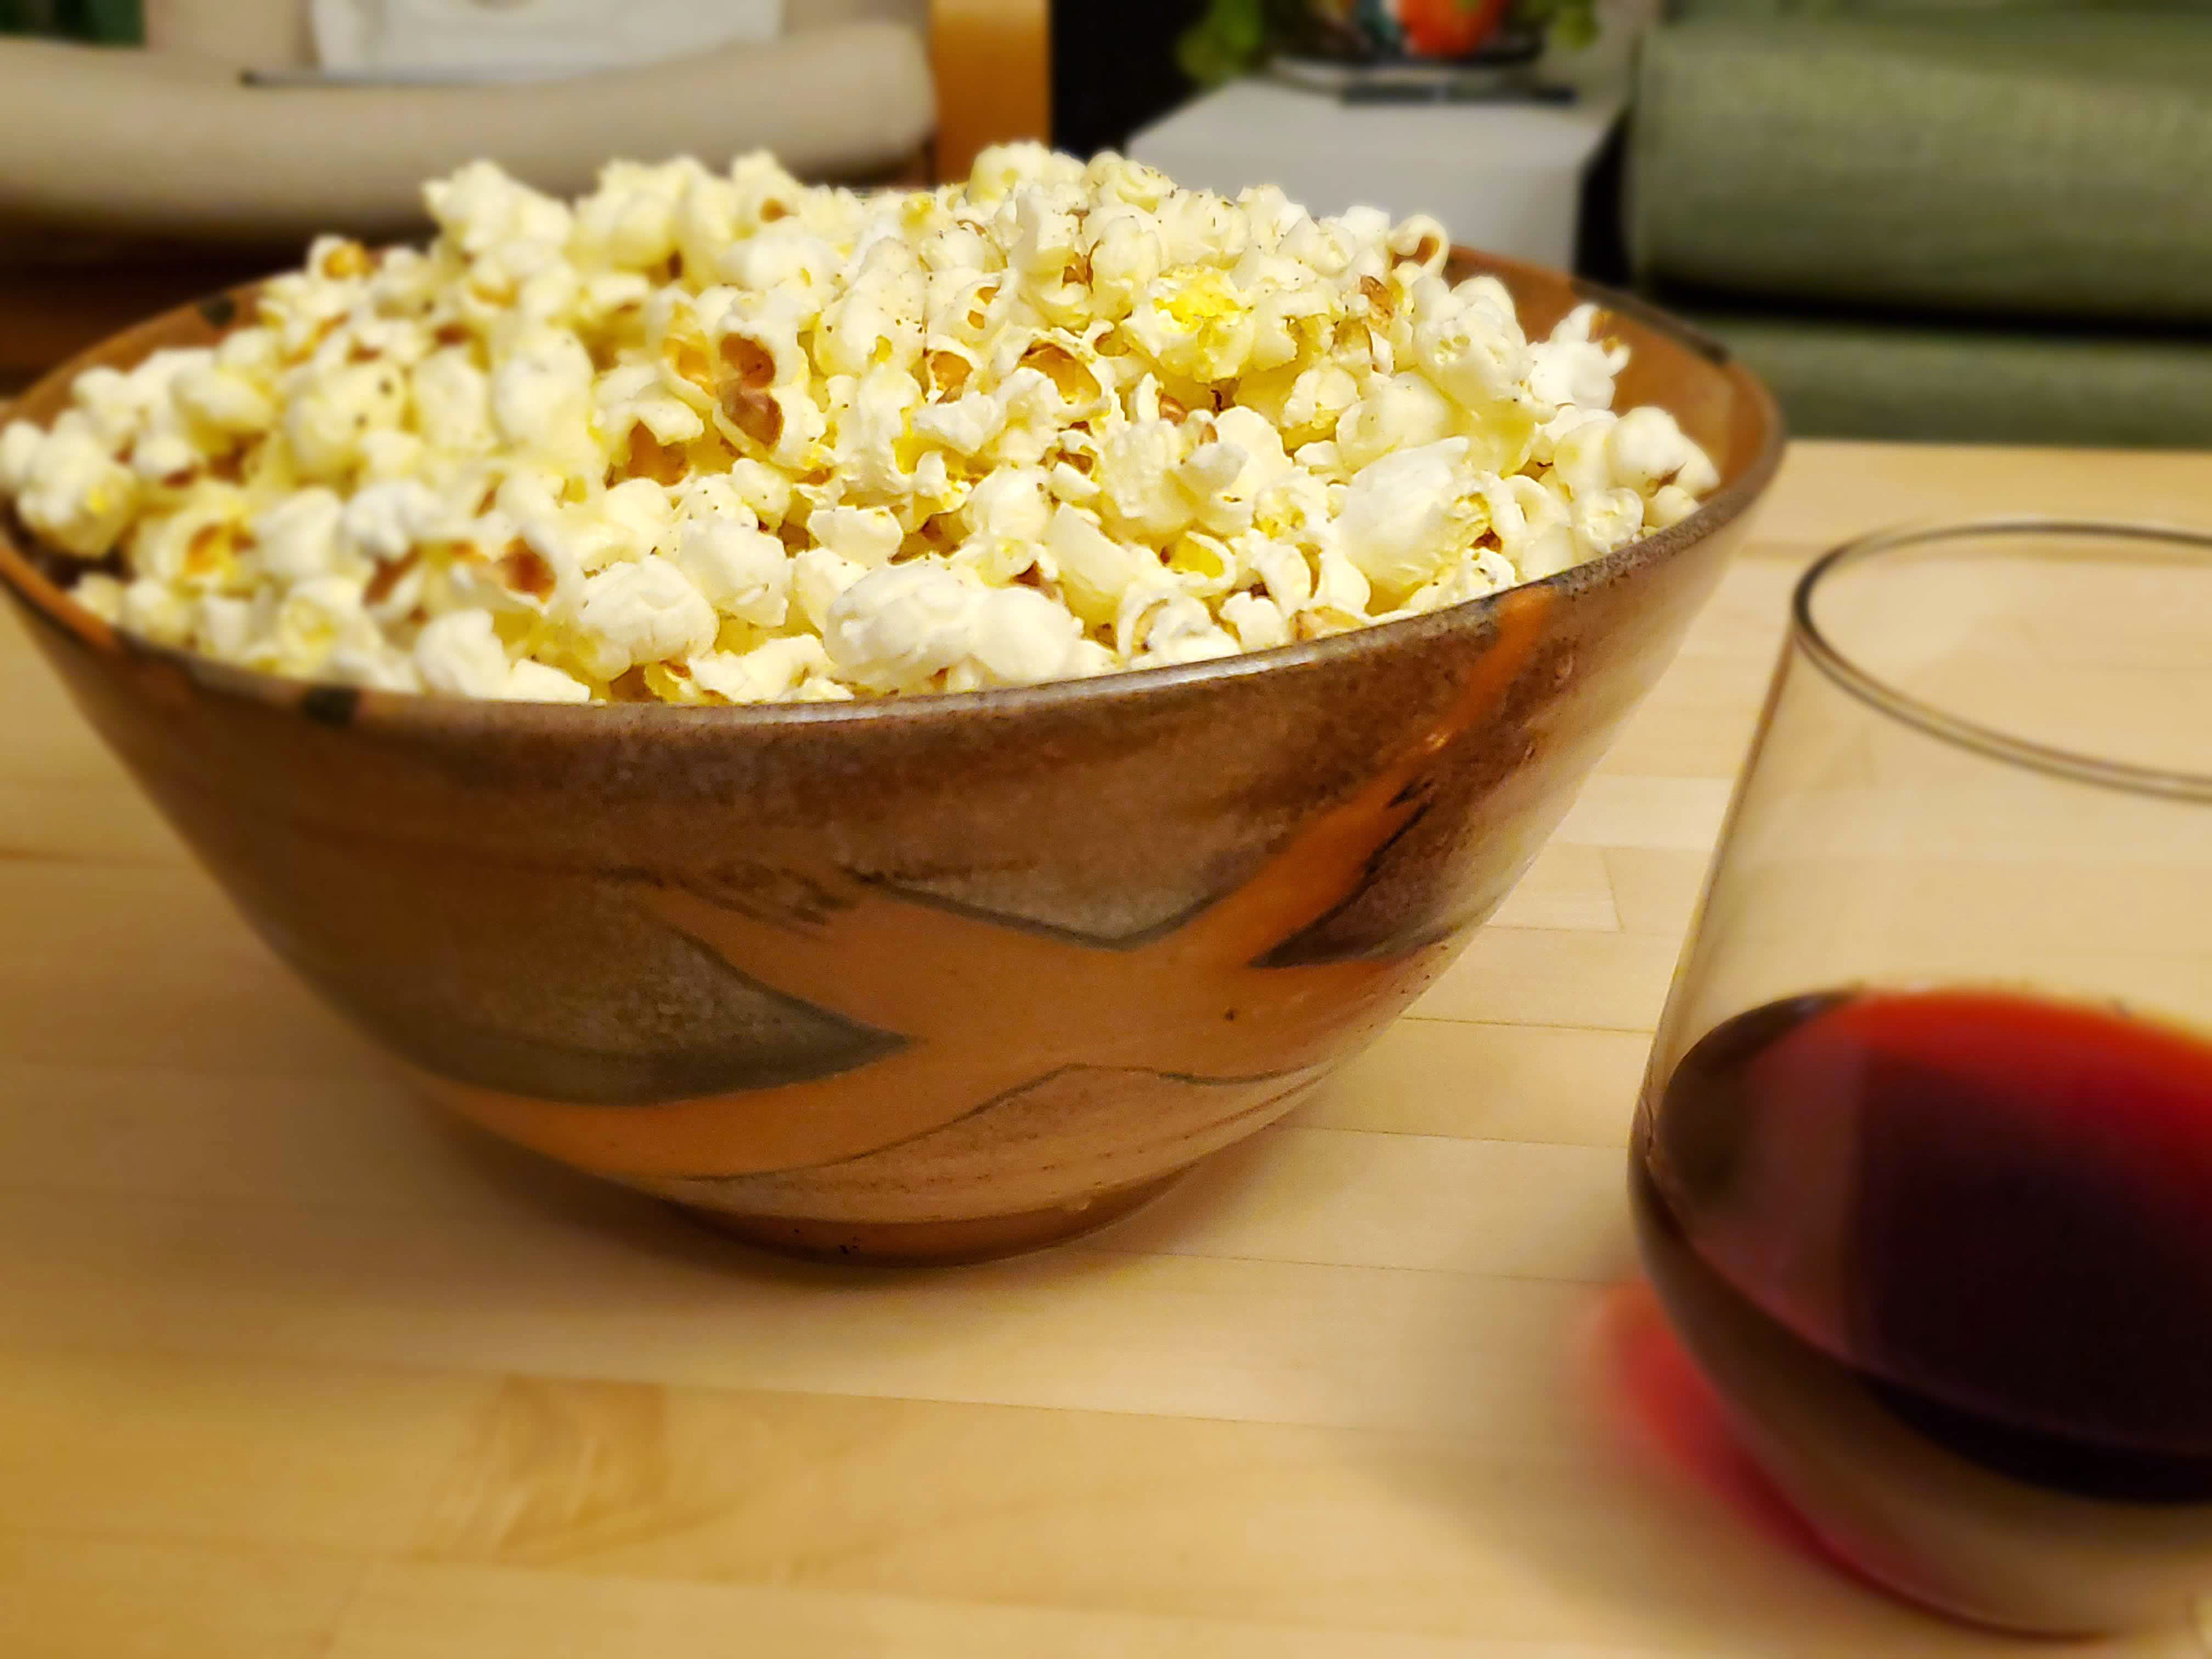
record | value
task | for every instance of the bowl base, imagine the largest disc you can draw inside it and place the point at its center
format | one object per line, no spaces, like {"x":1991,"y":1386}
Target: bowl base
{"x":932,"y":1244}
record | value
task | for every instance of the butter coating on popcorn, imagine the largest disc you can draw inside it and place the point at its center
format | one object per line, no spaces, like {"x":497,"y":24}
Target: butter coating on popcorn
{"x":722,"y":438}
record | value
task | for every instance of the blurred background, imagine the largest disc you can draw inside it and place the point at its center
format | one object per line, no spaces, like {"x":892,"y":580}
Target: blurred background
{"x":1941,"y":219}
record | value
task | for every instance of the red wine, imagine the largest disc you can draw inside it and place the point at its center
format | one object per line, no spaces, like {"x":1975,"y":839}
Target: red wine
{"x":1956,"y":1241}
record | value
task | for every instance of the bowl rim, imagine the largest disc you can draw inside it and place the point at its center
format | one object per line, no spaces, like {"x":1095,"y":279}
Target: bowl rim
{"x":416,"y":713}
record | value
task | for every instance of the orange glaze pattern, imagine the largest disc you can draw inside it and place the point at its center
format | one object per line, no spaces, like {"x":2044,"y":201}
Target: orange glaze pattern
{"x":978,"y":999}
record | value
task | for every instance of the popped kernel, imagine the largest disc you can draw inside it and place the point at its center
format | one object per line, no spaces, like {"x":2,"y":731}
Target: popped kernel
{"x":719,"y":438}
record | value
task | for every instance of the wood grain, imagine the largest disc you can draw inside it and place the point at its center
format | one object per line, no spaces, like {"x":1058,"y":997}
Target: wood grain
{"x":290,"y":1369}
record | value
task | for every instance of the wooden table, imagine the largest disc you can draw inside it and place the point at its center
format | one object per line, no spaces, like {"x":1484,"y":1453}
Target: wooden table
{"x":290,"y":1371}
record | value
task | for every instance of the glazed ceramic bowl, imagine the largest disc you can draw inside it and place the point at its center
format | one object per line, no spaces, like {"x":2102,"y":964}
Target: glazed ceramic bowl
{"x":924,"y":978}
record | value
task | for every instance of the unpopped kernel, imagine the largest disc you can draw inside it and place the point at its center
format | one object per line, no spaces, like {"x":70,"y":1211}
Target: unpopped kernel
{"x":722,"y":438}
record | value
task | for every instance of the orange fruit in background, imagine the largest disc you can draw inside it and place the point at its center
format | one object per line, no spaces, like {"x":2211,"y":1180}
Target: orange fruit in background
{"x":1449,"y":28}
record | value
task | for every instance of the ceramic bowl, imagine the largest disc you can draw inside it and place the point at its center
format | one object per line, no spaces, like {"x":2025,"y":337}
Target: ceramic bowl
{"x":928,"y":978}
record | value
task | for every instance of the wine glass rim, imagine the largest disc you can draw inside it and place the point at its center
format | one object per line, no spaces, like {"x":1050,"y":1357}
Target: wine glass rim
{"x":1885,"y":698}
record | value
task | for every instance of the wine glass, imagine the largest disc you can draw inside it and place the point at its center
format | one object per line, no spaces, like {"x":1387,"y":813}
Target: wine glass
{"x":1923,"y":1168}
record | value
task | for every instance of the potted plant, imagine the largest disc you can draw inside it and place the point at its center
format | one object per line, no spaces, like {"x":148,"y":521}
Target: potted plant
{"x":1235,"y":36}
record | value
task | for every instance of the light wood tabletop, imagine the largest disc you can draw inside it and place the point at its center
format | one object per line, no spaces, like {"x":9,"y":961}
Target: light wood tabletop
{"x":289,"y":1369}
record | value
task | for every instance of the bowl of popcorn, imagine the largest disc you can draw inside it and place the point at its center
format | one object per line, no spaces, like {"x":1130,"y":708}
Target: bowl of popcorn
{"x":902,"y":721}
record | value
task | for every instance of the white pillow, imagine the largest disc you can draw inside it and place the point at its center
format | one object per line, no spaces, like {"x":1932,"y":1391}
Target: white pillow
{"x":501,"y":40}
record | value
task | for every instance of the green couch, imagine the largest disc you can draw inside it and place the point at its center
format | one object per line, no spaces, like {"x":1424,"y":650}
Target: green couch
{"x":1920,"y":219}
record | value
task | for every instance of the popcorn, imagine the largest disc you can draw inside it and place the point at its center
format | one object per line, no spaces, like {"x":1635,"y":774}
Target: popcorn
{"x":1533,"y":527}
{"x":1009,"y":505}
{"x":1122,"y":243}
{"x":388,"y":454}
{"x":316,"y":619}
{"x":761,"y":490}
{"x":1160,"y":627}
{"x":101,"y":595}
{"x":1140,"y":493}
{"x":631,"y":221}
{"x":818,"y":579}
{"x":634,"y":518}
{"x":75,"y":494}
{"x":1407,"y":514}
{"x":220,"y":400}
{"x":769,"y":673}
{"x":763,"y":191}
{"x":920,"y":623}
{"x":195,"y":550}
{"x":1573,"y":369}
{"x":452,"y":404}
{"x":966,"y":426}
{"x":480,"y":209}
{"x":460,"y":654}
{"x":785,"y":424}
{"x":1610,"y":518}
{"x":1421,"y":241}
{"x":874,"y":427}
{"x":901,"y":625}
{"x":1647,"y":449}
{"x":1341,"y":586}
{"x":757,"y":340}
{"x":646,"y":610}
{"x":163,"y":453}
{"x":1400,"y":413}
{"x":1580,"y":451}
{"x":538,"y":682}
{"x":1669,"y":505}
{"x":1282,"y":571}
{"x":1022,"y":637}
{"x":721,"y":438}
{"x":877,"y":323}
{"x":1260,"y":624}
{"x":866,"y":536}
{"x":154,"y":610}
{"x":302,"y":536}
{"x":1471,"y":347}
{"x":1469,"y":577}
{"x":20,"y":444}
{"x":384,"y":521}
{"x":326,"y":422}
{"x":111,"y":404}
{"x":541,"y":397}
{"x":639,"y":396}
{"x":785,"y":258}
{"x":1095,"y":570}
{"x":740,"y":569}
{"x":1196,"y":324}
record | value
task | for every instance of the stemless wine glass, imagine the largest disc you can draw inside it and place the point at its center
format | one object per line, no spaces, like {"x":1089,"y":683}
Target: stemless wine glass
{"x":1922,"y":1171}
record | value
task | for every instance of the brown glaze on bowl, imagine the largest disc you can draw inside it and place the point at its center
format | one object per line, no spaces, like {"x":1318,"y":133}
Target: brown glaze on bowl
{"x":928,"y":978}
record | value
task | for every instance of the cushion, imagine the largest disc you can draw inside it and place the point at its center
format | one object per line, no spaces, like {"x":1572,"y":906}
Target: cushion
{"x":181,"y":147}
{"x":2042,"y":163}
{"x":275,"y":33}
{"x":529,"y":39}
{"x":1866,"y":378}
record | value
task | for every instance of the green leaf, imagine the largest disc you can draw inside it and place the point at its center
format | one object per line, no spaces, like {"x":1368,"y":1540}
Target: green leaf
{"x":1228,"y":40}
